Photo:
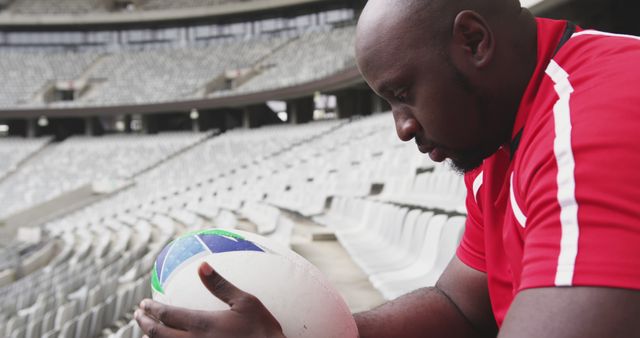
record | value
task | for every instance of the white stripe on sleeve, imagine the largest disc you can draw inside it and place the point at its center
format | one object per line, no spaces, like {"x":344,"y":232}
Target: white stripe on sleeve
{"x":520,"y":217}
{"x":477,"y":182}
{"x":565,"y":179}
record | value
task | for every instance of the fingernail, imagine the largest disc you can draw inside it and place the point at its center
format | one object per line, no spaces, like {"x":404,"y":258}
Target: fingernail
{"x":136,"y":314}
{"x":143,"y":304}
{"x":206,"y":269}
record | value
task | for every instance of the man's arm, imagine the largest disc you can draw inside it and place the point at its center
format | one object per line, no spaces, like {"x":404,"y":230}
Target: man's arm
{"x":585,"y":312}
{"x":458,"y":306}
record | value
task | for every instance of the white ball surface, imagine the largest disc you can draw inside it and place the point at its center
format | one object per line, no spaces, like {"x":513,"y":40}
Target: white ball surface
{"x":293,"y":290}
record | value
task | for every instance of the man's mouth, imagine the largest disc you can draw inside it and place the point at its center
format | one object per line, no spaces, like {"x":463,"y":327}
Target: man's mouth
{"x":436,"y":154}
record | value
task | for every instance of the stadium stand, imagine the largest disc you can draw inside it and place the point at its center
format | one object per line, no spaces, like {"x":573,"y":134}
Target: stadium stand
{"x":80,"y":161}
{"x":156,"y":75}
{"x":27,"y":75}
{"x":97,"y":6}
{"x":168,"y":4}
{"x":56,"y":7}
{"x":172,"y":75}
{"x":14,"y":151}
{"x":322,"y":54}
{"x":104,"y":252}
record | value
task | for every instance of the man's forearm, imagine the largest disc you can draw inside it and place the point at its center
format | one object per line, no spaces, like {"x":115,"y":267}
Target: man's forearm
{"x":426,"y":312}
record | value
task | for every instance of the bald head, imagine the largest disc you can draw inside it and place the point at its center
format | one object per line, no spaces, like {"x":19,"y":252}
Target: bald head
{"x":442,"y":64}
{"x":430,"y":21}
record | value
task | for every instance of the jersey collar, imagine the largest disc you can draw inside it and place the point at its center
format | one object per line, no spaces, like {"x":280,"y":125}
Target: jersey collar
{"x":549,"y":34}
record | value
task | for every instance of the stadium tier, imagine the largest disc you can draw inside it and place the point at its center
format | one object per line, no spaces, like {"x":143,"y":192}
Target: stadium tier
{"x":175,"y":74}
{"x":90,"y":267}
{"x":79,"y":161}
{"x":98,"y":6}
{"x":16,"y":150}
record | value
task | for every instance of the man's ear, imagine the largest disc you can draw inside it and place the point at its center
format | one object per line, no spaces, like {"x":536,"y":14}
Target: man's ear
{"x":472,"y":39}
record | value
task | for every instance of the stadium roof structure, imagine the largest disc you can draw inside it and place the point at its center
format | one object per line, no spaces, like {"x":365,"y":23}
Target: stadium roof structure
{"x":172,"y":16}
{"x":177,"y":16}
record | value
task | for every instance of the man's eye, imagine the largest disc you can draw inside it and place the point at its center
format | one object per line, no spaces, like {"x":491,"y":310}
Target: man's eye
{"x":401,"y":97}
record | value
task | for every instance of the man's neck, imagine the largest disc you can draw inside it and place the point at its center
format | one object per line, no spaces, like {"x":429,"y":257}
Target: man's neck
{"x":525,"y":50}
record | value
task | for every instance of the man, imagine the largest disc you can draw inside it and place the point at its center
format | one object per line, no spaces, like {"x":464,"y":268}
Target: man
{"x":542,"y":118}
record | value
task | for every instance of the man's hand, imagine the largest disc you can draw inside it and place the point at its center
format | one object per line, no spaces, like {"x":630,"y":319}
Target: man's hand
{"x":247,"y":317}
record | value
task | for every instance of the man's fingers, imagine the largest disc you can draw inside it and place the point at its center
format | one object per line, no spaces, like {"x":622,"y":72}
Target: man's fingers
{"x":220,"y":287}
{"x":154,"y":329}
{"x":172,"y":316}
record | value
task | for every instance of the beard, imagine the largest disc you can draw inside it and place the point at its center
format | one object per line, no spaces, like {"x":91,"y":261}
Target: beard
{"x":466,"y":163}
{"x":467,"y":160}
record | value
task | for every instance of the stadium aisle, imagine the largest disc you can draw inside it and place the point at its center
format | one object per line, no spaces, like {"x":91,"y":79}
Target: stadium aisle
{"x":329,"y":256}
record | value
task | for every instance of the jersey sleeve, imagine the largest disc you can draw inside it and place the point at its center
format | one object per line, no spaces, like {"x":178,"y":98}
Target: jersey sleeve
{"x":582,"y":197}
{"x":471,"y":248}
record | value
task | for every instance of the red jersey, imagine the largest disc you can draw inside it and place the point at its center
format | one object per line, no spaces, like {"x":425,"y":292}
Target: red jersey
{"x":563,"y":208}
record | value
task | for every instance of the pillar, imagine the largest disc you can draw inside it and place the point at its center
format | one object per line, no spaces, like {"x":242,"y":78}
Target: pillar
{"x":89,"y":126}
{"x":354,"y":101}
{"x":31,"y":128}
{"x":246,"y":118}
{"x":300,"y":110}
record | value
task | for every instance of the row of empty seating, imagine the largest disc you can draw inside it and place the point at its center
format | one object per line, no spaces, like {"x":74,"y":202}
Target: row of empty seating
{"x":173,"y":74}
{"x":401,"y":249}
{"x":103,"y":252}
{"x":78,"y":161}
{"x":14,"y":151}
{"x":140,"y":234}
{"x":311,"y":56}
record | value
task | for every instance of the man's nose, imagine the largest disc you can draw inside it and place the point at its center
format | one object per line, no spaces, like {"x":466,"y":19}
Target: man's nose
{"x":406,"y":125}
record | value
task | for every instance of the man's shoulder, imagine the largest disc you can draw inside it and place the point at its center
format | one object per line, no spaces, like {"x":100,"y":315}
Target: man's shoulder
{"x":599,"y":54}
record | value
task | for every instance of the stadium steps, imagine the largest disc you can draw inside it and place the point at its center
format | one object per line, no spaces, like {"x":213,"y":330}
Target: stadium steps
{"x":212,"y":85}
{"x":26,"y":160}
{"x":86,"y":75}
{"x":276,"y":49}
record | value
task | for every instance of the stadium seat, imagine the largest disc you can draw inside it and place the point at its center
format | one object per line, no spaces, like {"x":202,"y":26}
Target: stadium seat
{"x":64,"y":314}
{"x":33,"y":329}
{"x":124,"y":332}
{"x":425,"y":260}
{"x":83,"y":325}
{"x":395,"y":253}
{"x":68,"y":329}
{"x":265,"y":217}
{"x":446,"y":246}
{"x":282,"y":233}
{"x":97,"y":317}
{"x":14,"y":324}
{"x":51,"y":334}
{"x":48,"y":321}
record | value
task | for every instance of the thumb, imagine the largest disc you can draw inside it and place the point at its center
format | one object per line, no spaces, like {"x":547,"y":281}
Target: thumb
{"x":218,"y":285}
